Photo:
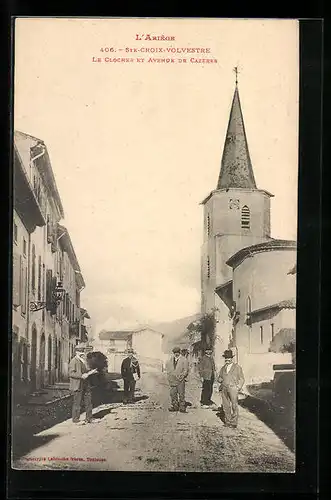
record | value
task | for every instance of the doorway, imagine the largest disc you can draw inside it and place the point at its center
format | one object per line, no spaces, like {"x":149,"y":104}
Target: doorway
{"x":49,"y":360}
{"x":33,"y":377}
{"x":42,"y":360}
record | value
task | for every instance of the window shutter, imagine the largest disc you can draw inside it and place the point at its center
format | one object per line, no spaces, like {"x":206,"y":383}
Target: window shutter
{"x":21,"y":280}
{"x":53,"y":286}
{"x":24,"y":286}
{"x":39,"y":278}
{"x":49,"y":289}
{"x":33,"y":268}
{"x":16,"y":279}
{"x":245,"y":217}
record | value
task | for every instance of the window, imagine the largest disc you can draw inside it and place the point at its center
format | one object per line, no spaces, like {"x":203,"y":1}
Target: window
{"x":249,"y":305}
{"x":33,"y":270}
{"x":49,"y":290}
{"x":15,"y":233}
{"x":43,"y":283}
{"x":208,"y":225}
{"x":261,"y":334}
{"x":208,"y":267}
{"x":66,"y":307}
{"x":245,"y":217}
{"x":24,"y":247}
{"x":25,"y":281}
{"x":249,"y":311}
{"x":272,"y":331}
{"x":16,"y":279}
{"x":39,"y":278}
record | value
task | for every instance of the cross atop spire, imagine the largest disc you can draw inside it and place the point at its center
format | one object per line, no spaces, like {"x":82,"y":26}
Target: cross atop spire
{"x":236,"y":168}
{"x":235,"y":69}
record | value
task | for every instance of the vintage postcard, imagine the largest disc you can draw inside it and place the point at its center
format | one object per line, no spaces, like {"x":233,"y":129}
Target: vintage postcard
{"x":155,"y":167}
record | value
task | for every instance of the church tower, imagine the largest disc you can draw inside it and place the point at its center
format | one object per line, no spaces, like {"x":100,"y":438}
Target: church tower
{"x":236,"y":215}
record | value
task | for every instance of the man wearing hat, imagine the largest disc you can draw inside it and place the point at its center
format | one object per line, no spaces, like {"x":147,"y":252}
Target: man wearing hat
{"x":177,"y":369}
{"x":79,"y":385}
{"x":130,"y":371}
{"x":231,"y":379}
{"x":207,"y":374}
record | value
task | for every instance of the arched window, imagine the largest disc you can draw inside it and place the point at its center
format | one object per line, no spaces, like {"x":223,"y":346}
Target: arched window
{"x":249,"y":305}
{"x":245,"y":217}
{"x":249,"y":311}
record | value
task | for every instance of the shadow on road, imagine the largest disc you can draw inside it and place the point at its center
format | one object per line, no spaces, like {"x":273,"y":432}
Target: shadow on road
{"x":116,"y":398}
{"x":281,"y":422}
{"x":23,"y":444}
{"x":29,"y":421}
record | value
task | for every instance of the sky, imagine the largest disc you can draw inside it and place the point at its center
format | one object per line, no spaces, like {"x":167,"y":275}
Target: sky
{"x":136,"y":146}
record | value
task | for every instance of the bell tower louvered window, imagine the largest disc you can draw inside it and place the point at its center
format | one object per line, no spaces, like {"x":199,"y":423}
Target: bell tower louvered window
{"x":208,"y":268}
{"x":208,"y":225}
{"x":245,"y":217}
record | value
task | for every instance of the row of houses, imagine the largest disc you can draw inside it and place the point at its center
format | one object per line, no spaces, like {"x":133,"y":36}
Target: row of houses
{"x":47,"y":317}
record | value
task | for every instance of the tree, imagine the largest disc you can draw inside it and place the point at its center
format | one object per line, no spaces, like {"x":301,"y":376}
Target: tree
{"x":205,"y":327}
{"x":284,"y":341}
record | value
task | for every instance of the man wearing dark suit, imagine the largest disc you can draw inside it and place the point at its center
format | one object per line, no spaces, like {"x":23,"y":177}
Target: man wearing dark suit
{"x":207,"y":375}
{"x":79,"y":385}
{"x":231,"y":379}
{"x":130,"y":371}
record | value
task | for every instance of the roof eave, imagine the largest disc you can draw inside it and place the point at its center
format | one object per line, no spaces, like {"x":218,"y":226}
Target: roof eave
{"x":278,"y":306}
{"x":267,"y":246}
{"x":270,"y":195}
{"x":67,"y":245}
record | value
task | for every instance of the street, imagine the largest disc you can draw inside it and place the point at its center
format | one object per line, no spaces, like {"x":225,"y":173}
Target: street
{"x":145,"y":436}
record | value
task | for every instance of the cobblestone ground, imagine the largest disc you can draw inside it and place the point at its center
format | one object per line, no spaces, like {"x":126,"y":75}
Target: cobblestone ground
{"x":146,"y":437}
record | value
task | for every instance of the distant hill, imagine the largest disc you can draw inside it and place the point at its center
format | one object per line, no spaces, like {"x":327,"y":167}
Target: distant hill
{"x":175,"y":331}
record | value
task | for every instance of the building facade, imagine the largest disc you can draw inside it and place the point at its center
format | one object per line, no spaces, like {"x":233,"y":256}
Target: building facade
{"x":37,"y":328}
{"x":145,"y":341}
{"x":243,"y":269}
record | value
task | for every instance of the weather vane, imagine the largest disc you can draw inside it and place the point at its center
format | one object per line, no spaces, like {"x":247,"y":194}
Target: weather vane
{"x":235,"y":69}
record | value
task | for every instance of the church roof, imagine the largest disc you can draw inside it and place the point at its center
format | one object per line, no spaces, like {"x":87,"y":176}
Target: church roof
{"x":266,"y":246}
{"x":283,"y":304}
{"x":236,"y":167}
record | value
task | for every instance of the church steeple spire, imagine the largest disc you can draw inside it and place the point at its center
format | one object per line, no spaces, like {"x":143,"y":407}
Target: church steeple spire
{"x":236,"y":168}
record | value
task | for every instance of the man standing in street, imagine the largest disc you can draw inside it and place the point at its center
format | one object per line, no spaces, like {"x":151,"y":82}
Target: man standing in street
{"x":177,"y":369}
{"x":231,"y":379}
{"x":130,"y":371}
{"x":80,"y":387}
{"x":207,"y":375}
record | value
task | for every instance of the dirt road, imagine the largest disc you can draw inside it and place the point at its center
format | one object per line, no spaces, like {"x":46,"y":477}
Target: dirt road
{"x":145,"y":436}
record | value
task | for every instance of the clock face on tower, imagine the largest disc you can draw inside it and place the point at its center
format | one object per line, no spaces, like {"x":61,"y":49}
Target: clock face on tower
{"x":233,"y":204}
